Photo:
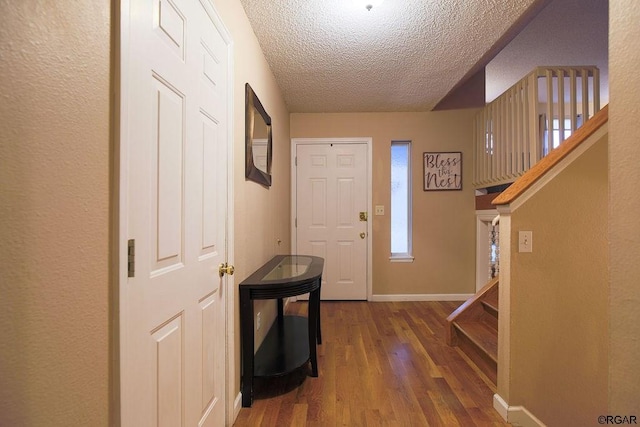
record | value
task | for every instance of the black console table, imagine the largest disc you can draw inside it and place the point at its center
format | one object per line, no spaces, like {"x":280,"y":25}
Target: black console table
{"x":291,"y":341}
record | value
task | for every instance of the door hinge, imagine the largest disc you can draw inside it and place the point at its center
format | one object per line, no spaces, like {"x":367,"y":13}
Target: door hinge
{"x":296,"y":221}
{"x":131,"y":258}
{"x":295,"y":160}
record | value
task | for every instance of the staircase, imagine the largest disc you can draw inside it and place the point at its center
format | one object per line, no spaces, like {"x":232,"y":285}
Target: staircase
{"x":474,"y":328}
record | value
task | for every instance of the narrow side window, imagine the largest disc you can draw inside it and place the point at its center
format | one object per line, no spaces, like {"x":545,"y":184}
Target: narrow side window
{"x":401,"y":201}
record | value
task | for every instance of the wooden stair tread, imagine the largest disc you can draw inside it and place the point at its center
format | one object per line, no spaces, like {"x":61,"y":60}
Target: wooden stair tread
{"x":482,"y":335}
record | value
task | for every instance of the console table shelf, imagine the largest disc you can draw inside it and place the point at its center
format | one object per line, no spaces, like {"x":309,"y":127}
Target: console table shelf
{"x":291,"y":341}
{"x":284,"y":349}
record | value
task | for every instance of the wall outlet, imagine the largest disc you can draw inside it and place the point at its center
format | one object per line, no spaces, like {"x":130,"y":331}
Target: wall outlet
{"x":258,"y":321}
{"x":379,"y":210}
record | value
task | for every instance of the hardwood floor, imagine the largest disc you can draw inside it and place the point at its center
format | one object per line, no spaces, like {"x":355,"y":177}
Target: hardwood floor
{"x":380,"y":363}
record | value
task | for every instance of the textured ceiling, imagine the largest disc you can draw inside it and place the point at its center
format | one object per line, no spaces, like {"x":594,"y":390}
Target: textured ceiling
{"x":404,"y":55}
{"x":566,"y":32}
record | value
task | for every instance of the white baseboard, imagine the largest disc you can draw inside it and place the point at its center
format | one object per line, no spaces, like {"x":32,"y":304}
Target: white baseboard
{"x":515,"y":415}
{"x":519,"y":416}
{"x":237,"y":405}
{"x":420,"y":297}
{"x":501,"y":406}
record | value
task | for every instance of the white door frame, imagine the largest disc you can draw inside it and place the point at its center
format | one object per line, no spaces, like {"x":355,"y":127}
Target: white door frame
{"x":121,"y":208}
{"x":359,"y":140}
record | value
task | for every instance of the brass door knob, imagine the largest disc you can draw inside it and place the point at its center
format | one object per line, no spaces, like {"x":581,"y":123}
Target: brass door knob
{"x":363,"y":235}
{"x":225,"y":268}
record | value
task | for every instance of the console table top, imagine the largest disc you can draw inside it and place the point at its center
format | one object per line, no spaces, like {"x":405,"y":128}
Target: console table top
{"x":284,"y":270}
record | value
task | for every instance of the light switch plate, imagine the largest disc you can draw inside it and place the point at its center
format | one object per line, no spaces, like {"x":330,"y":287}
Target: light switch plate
{"x":525,"y":241}
{"x":379,"y":209}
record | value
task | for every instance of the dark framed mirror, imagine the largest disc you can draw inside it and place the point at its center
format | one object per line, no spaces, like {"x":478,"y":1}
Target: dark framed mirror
{"x":257,"y":140}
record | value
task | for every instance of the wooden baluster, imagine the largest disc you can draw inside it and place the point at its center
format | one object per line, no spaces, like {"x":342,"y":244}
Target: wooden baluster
{"x":561,"y":114}
{"x":550,"y":115}
{"x":573,"y":95}
{"x":596,"y":90}
{"x":585,"y":94}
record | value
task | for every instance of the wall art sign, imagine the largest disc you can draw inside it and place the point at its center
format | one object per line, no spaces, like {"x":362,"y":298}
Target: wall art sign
{"x":442,"y":171}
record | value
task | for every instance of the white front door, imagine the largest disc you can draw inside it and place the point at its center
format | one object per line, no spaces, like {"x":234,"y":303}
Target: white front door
{"x":174,"y":178}
{"x":331,"y":191}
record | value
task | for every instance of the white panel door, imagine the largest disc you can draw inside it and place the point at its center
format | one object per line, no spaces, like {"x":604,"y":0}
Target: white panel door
{"x":331,"y":191}
{"x":174,"y":174}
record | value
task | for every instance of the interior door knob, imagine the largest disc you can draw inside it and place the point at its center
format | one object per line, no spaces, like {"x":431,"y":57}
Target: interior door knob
{"x":225,"y":268}
{"x":363,"y":235}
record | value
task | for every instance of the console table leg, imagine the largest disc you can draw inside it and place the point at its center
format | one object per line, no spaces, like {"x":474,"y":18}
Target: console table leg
{"x":319,"y":333}
{"x":246,"y":325}
{"x":280,"y":310}
{"x":314,"y":310}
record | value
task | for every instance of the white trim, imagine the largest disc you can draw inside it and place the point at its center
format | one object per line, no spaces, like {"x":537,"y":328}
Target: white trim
{"x":560,"y":166}
{"x":401,"y":258}
{"x":369,"y":142}
{"x":504,"y":295}
{"x":420,"y":297}
{"x":120,"y":206}
{"x":520,"y":416}
{"x":500,"y":406}
{"x":515,"y":415}
{"x":233,"y":407}
{"x":237,"y":405}
{"x":356,"y":140}
{"x":487,"y":214}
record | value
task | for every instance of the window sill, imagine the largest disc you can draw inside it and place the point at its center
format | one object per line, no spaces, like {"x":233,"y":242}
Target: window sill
{"x":401,"y":258}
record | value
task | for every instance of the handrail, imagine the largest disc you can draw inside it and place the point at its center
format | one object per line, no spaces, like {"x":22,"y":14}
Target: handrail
{"x":475,"y":300}
{"x":538,"y":170}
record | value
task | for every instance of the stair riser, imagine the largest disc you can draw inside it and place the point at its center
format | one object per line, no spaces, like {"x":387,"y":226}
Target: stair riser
{"x":479,"y":357}
{"x":490,"y":309}
{"x":490,"y":320}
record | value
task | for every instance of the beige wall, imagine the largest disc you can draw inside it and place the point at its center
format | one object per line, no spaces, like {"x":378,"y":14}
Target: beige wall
{"x":559,"y":315}
{"x":624,"y":205}
{"x":443,"y":221}
{"x":54,"y":205}
{"x":261,"y":215}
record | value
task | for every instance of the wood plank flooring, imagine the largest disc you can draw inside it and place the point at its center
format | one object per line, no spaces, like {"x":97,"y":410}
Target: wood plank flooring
{"x":380,"y":364}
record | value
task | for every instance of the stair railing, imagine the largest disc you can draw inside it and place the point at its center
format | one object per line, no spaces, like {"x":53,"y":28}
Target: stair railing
{"x":530,"y":119}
